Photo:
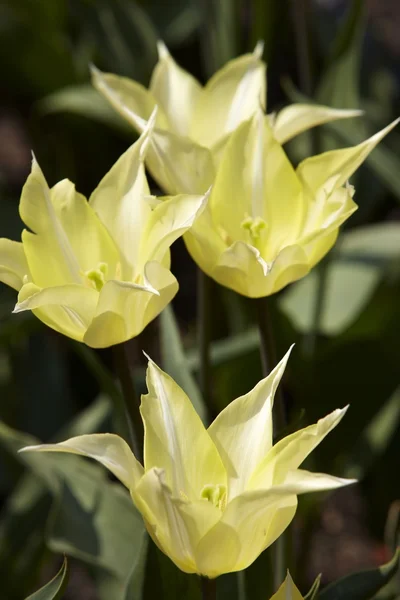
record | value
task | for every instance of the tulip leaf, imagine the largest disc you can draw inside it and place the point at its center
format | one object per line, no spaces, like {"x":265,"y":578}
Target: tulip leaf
{"x":85,"y":101}
{"x":362,"y":259}
{"x":363,"y":585}
{"x":55,"y":588}
{"x":175,"y":362}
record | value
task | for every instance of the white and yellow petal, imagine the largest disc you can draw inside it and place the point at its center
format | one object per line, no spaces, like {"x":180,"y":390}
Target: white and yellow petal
{"x":287,"y":591}
{"x":13,"y":266}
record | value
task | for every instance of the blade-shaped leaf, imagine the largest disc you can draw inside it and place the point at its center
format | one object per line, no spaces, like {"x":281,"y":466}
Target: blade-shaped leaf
{"x":55,"y":588}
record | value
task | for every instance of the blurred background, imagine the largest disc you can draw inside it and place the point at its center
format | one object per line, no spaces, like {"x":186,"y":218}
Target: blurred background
{"x":344,"y":316}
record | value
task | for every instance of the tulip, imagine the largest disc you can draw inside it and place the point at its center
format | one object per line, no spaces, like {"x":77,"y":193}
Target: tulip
{"x":195,"y":122}
{"x":212,"y":499}
{"x":266,"y":223}
{"x":97,"y":271}
{"x":287,"y":591}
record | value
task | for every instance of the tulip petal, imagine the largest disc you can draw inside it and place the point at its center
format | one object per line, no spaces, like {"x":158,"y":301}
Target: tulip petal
{"x":287,"y":591}
{"x":169,"y":220}
{"x":49,"y":253}
{"x":315,"y":171}
{"x":242,"y":269}
{"x":175,"y":525}
{"x":124,"y":309}
{"x":129,"y":98}
{"x":250,"y":523}
{"x":13,"y":265}
{"x":175,"y":90}
{"x":68,"y":309}
{"x":235,"y":92}
{"x":288,"y":454}
{"x":296,"y":118}
{"x":242,"y":432}
{"x":301,"y":482}
{"x":107,"y":448}
{"x":290,"y":265}
{"x":176,"y":440}
{"x":120,"y":201}
{"x":203,"y":241}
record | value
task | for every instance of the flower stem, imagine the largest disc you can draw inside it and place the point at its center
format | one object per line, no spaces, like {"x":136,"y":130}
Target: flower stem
{"x":208,"y":588}
{"x":128,"y":408}
{"x":268,"y":362}
{"x":204,"y":334}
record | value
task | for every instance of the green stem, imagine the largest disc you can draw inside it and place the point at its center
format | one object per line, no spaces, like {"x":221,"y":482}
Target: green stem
{"x":128,"y":408}
{"x":204,"y":334}
{"x":311,"y":338}
{"x":280,"y":548}
{"x":208,"y":588}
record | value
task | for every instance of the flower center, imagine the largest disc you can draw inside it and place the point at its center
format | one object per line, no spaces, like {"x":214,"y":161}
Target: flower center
{"x":96,"y":277}
{"x":254,"y":225}
{"x":216,"y":494}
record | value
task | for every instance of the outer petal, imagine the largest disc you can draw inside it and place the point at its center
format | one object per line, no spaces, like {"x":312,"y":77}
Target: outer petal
{"x":204,"y":242}
{"x":251,"y":522}
{"x":124,"y":309}
{"x":230,"y":97}
{"x":288,"y":454}
{"x":108,"y":449}
{"x":168,"y":221}
{"x":68,"y":309}
{"x":296,"y":118}
{"x":242,"y":432}
{"x":176,"y":440}
{"x":175,"y":525}
{"x":316,"y":170}
{"x":287,"y":591}
{"x":120,"y":200}
{"x":13,"y":265}
{"x":301,"y":482}
{"x":50,"y":255}
{"x":175,"y":90}
{"x":129,"y":98}
{"x":242,"y":269}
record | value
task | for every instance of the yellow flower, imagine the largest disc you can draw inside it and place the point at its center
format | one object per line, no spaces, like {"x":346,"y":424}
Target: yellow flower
{"x":212,"y":499}
{"x":267,"y":224}
{"x":97,"y":271}
{"x":287,"y":591}
{"x":194,"y":122}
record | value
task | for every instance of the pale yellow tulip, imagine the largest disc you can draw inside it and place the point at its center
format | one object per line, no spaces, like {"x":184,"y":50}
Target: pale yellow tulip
{"x":212,"y":499}
{"x":97,"y":271}
{"x":194,"y":122}
{"x":287,"y":591}
{"x":267,"y":224}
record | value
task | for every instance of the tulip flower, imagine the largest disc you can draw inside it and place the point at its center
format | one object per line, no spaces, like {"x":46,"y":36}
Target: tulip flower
{"x":266,"y":223}
{"x":194,"y":122}
{"x":212,"y":499}
{"x":97,"y":271}
{"x":287,"y":591}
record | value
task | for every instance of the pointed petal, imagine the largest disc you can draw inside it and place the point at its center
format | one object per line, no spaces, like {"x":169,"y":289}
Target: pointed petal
{"x":301,"y":482}
{"x":242,"y":432}
{"x":68,"y":309}
{"x":288,"y":454}
{"x":250,"y":523}
{"x":124,"y":309}
{"x":230,"y":97}
{"x":204,"y":242}
{"x":170,"y":219}
{"x":129,"y":98}
{"x":108,"y":449}
{"x":296,"y":118}
{"x":13,"y":265}
{"x":315,"y":171}
{"x":287,"y":591}
{"x":50,"y":256}
{"x":175,"y":438}
{"x":120,"y":202}
{"x":176,"y":526}
{"x":175,"y":90}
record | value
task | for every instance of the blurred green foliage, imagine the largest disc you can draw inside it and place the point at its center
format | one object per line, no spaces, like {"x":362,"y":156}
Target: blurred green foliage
{"x":345,"y":316}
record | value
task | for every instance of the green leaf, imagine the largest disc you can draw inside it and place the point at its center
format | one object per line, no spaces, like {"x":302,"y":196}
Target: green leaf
{"x":175,"y":362}
{"x":55,"y":588}
{"x":362,"y":259}
{"x":363,"y":585}
{"x":85,"y":101}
